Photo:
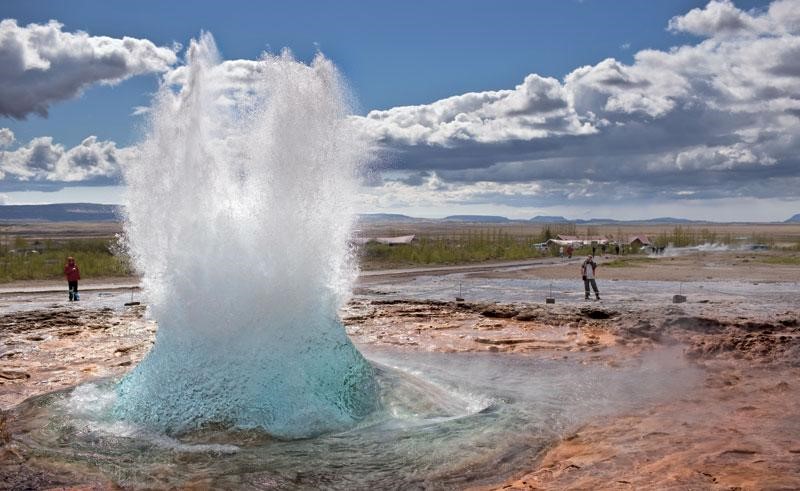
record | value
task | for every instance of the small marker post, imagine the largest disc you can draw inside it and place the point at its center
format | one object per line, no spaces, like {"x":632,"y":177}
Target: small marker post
{"x":131,"y":303}
{"x":459,"y":298}
{"x":550,"y":298}
{"x":680,"y":298}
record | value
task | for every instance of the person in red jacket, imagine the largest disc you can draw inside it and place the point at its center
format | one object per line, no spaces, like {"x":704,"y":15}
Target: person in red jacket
{"x":73,"y":274}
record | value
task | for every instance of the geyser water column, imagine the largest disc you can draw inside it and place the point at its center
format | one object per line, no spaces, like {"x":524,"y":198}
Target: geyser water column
{"x":239,"y":208}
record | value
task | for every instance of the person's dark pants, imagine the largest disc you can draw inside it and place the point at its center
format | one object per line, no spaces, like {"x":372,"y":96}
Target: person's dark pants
{"x":590,"y":281}
{"x":73,"y":290}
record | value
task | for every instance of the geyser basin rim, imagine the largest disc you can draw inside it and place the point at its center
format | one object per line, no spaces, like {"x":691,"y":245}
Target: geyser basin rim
{"x":92,"y":403}
{"x":544,"y":399}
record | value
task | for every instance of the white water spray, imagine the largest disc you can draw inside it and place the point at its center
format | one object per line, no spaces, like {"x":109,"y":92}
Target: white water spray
{"x":239,"y":210}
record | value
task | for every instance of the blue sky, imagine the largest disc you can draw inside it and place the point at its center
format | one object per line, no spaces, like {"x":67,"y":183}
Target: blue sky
{"x":392,"y":53}
{"x":417,"y":53}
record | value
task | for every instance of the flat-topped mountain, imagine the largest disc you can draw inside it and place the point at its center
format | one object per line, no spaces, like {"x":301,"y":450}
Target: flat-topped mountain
{"x":476,"y":219}
{"x":548,"y":219}
{"x":385,"y":217}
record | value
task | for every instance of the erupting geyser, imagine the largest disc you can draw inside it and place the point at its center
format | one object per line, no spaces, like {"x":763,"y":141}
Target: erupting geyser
{"x":239,"y":207}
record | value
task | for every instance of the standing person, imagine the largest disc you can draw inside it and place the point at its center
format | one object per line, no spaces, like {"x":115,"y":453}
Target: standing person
{"x":570,"y":249}
{"x":73,"y":274}
{"x":561,"y":251}
{"x":588,"y":270}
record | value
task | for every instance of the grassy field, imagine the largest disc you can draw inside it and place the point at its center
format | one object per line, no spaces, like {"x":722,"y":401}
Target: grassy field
{"x":469,"y":247}
{"x":32,"y":251}
{"x":453,"y":243}
{"x":777,"y":235}
{"x":22,"y":259}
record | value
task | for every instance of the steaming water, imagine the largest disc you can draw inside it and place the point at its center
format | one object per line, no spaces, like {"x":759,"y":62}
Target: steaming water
{"x":448,"y":421}
{"x":239,"y":208}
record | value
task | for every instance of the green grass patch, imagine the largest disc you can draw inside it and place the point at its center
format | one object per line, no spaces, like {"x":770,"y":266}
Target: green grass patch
{"x":469,"y":248}
{"x":45,"y":260}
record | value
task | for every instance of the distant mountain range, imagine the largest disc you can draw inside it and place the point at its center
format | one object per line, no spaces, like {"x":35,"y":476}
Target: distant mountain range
{"x":476,"y":219}
{"x":590,"y":221}
{"x":63,"y":212}
{"x":92,"y":212}
{"x":548,"y":219}
{"x":385,"y":217}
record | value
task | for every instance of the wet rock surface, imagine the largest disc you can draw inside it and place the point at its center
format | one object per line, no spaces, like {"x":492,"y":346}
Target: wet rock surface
{"x":58,"y":347}
{"x":739,"y":432}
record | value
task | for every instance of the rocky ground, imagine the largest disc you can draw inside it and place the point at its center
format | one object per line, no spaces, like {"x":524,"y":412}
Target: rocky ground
{"x":58,"y":347}
{"x":739,"y":431}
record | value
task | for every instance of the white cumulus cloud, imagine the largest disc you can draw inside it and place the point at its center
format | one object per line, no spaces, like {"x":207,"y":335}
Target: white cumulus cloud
{"x":6,"y":137}
{"x":42,"y":64}
{"x":721,"y":18}
{"x":714,"y":119}
{"x":537,"y":108}
{"x":43,"y":160}
{"x":718,"y":17}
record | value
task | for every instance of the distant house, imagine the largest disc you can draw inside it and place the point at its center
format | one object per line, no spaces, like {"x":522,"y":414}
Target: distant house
{"x":565,"y":240}
{"x":597,"y":239}
{"x":639,"y":241}
{"x":568,"y":238}
{"x":403,"y":239}
{"x":400,"y":240}
{"x":574,"y":240}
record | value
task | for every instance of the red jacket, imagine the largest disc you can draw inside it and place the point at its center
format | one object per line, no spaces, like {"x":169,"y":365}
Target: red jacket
{"x":72,"y":272}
